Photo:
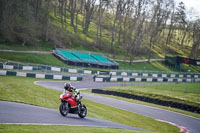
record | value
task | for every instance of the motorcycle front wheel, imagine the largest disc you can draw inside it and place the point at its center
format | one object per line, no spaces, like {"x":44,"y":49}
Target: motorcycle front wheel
{"x":83,"y":112}
{"x":64,"y":109}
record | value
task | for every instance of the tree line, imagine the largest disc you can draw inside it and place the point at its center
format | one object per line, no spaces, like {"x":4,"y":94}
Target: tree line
{"x":136,"y":26}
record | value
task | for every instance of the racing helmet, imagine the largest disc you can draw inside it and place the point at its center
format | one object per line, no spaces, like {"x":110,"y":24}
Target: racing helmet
{"x":67,"y":86}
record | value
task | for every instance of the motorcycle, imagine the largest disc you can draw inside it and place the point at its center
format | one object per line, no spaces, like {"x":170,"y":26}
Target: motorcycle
{"x":69,"y":105}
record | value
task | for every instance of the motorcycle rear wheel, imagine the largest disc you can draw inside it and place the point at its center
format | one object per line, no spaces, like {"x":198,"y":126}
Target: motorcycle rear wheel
{"x":64,"y":109}
{"x":83,"y":112}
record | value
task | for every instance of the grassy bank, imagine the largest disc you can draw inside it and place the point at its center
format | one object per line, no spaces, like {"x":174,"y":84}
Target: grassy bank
{"x":49,"y":59}
{"x":23,"y":90}
{"x":148,"y":104}
{"x":157,"y":66}
{"x":188,"y":93}
{"x":16,"y":46}
{"x":59,"y":129}
{"x":153,"y":66}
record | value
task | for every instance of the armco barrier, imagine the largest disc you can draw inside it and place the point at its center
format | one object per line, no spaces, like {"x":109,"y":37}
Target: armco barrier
{"x":155,"y":74}
{"x":144,"y":74}
{"x":36,"y":75}
{"x":44,"y":68}
{"x":141,"y":79}
{"x":150,"y":100}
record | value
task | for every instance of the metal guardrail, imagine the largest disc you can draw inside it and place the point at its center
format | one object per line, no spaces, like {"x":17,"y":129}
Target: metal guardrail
{"x":124,"y":73}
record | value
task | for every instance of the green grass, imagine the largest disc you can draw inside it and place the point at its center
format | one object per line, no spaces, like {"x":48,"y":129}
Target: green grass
{"x":15,"y":46}
{"x":59,"y":129}
{"x":80,"y":42}
{"x":159,"y":49}
{"x":153,"y":66}
{"x":23,"y":90}
{"x":47,"y":59}
{"x":145,"y":103}
{"x":156,"y":66}
{"x":188,"y":93}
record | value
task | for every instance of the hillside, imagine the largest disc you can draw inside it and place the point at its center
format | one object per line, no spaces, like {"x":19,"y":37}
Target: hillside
{"x":46,"y":25}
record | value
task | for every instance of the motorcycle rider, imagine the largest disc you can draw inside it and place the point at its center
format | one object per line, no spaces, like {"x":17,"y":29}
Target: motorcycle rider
{"x":70,"y":88}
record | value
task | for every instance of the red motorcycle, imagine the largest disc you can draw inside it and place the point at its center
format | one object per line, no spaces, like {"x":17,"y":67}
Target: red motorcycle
{"x":69,"y":105}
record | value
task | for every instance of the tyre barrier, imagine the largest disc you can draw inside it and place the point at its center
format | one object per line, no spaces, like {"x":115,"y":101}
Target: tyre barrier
{"x":37,"y":75}
{"x":181,"y":106}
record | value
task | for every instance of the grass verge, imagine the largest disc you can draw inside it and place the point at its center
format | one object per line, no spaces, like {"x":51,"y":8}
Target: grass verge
{"x":148,"y":104}
{"x":49,"y":59}
{"x":187,"y":93}
{"x":23,"y":90}
{"x":59,"y":129}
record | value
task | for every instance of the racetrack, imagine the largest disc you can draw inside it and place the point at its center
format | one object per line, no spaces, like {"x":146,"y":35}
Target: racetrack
{"x":18,"y":113}
{"x":182,"y":120}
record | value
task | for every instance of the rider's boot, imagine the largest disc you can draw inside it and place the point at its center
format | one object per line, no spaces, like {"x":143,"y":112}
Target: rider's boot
{"x":79,"y":106}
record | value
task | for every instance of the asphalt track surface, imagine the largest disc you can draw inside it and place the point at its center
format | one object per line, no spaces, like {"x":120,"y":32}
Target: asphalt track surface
{"x":18,"y":113}
{"x":188,"y":122}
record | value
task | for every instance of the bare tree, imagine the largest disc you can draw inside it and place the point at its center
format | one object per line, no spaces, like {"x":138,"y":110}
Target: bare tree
{"x":61,"y":11}
{"x":181,"y":19}
{"x":101,"y":8}
{"x":78,"y":11}
{"x":196,"y":39}
{"x":37,"y":5}
{"x":89,"y":11}
{"x":171,"y":25}
{"x":72,"y":11}
{"x":135,"y":44}
{"x":117,"y":24}
{"x":158,"y":20}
